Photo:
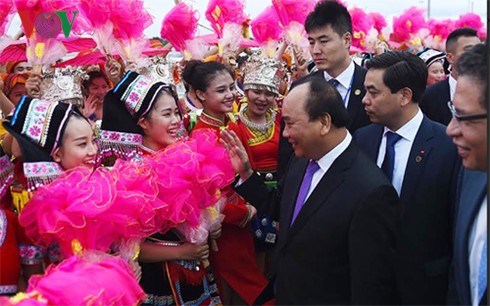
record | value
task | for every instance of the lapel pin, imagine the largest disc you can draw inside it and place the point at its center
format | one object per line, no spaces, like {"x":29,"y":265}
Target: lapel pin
{"x":357,"y":92}
{"x":418,"y":159}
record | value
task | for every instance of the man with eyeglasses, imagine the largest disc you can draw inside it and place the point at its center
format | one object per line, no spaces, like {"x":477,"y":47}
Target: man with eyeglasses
{"x":422,"y":164}
{"x":468,"y":128}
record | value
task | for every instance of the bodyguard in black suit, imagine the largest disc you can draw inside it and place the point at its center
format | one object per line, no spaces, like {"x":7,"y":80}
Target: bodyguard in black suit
{"x":468,"y":128}
{"x":424,"y":168}
{"x":329,"y":29}
{"x":434,"y":102}
{"x":337,"y":222}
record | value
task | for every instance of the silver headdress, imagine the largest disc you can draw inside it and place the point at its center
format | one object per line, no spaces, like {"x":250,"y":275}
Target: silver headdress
{"x":158,"y":68}
{"x":262,"y":72}
{"x":63,"y":85}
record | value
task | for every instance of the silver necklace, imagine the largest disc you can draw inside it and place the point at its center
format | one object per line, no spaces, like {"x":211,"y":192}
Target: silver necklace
{"x":262,"y":127}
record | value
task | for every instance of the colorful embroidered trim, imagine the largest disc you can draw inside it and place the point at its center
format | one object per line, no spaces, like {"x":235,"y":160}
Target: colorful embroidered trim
{"x":41,"y":173}
{"x":30,"y":254}
{"x":37,"y":120}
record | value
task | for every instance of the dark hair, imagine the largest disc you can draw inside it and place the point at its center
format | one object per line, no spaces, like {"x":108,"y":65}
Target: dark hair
{"x":200,"y":74}
{"x":171,"y":92}
{"x":453,"y":37}
{"x":474,"y":64}
{"x":92,"y":75}
{"x":402,"y":69}
{"x":74,"y":113}
{"x":323,"y":98}
{"x":329,"y":12}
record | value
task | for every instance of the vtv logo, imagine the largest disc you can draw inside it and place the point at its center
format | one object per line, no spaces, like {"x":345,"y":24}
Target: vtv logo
{"x":47,"y":24}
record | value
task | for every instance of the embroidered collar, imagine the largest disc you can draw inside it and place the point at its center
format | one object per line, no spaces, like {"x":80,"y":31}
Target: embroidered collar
{"x":211,"y":120}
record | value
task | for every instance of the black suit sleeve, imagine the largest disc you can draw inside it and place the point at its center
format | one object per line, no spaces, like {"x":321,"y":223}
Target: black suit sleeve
{"x":261,"y":196}
{"x":372,"y":248}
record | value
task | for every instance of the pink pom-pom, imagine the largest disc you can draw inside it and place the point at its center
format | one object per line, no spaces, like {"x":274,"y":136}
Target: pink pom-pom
{"x":129,"y":19}
{"x":7,"y":9}
{"x":180,"y":25}
{"x":266,"y":26}
{"x":98,"y":279}
{"x":96,"y":12}
{"x":293,"y":10}
{"x":469,"y":20}
{"x":441,"y":28}
{"x":379,"y":21}
{"x":361,"y":24}
{"x":408,"y":24}
{"x":220,"y":12}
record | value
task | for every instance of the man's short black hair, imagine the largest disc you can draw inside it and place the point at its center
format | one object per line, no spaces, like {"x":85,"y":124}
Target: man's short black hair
{"x":332,"y":13}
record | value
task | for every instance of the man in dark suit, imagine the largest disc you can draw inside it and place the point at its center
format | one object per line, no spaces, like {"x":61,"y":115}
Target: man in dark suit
{"x":338,"y":212}
{"x":329,"y":29}
{"x":468,"y":128}
{"x":434,"y":103}
{"x":422,"y":163}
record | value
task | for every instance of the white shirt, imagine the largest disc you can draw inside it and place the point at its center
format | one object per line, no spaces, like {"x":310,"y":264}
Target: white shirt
{"x":345,"y":79}
{"x":402,"y":149}
{"x":326,"y":161}
{"x":475,"y":246}
{"x":452,"y":86}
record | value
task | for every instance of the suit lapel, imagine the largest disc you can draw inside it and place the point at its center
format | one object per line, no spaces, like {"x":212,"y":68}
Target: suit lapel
{"x":421,"y":148}
{"x":330,"y":181}
{"x":356,"y":93}
{"x":472,"y":192}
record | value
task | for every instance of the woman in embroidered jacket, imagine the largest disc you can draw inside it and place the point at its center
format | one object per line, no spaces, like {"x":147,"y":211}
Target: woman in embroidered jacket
{"x":238,"y":275}
{"x":141,"y":119}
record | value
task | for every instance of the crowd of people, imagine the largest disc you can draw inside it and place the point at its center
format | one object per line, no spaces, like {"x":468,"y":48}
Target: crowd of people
{"x":288,"y":178}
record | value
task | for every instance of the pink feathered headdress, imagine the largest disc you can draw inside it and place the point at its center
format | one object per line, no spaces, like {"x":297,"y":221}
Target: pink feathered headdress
{"x":379,"y":21}
{"x":472,"y":20}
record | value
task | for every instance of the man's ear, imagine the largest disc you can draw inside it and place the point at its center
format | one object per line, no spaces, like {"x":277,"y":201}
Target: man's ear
{"x":57,"y":155}
{"x":347,"y":37}
{"x":326,"y":122}
{"x":406,"y":95}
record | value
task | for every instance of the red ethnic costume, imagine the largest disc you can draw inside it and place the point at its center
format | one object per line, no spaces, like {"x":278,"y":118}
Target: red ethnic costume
{"x":234,"y":262}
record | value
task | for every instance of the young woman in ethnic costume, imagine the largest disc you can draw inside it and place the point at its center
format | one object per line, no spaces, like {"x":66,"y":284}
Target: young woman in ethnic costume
{"x":141,"y":118}
{"x":238,"y":275}
{"x":259,"y":123}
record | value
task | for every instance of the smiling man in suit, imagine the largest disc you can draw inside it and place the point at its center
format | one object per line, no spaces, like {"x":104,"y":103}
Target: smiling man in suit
{"x":468,"y":128}
{"x":338,"y":212}
{"x":422,"y":163}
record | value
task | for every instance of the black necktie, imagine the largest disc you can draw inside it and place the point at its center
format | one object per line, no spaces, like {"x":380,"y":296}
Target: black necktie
{"x":334,"y":82}
{"x":389,"y":161}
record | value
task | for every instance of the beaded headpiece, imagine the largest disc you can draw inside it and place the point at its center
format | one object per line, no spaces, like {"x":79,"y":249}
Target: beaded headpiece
{"x":38,"y":126}
{"x":63,"y":85}
{"x":262,"y":72}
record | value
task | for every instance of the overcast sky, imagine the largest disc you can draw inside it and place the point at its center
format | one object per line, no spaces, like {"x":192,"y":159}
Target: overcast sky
{"x":439,"y":9}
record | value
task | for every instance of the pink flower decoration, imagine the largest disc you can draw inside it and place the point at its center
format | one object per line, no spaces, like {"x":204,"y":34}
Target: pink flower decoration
{"x":35,"y":131}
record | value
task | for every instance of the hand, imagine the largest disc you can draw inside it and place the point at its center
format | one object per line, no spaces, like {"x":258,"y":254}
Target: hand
{"x":215,"y":231}
{"x":229,"y":57}
{"x":301,"y":62}
{"x":113,"y":69}
{"x":253,"y":212}
{"x":90,"y":105}
{"x":190,"y":251}
{"x":33,"y":85}
{"x":238,"y":154}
